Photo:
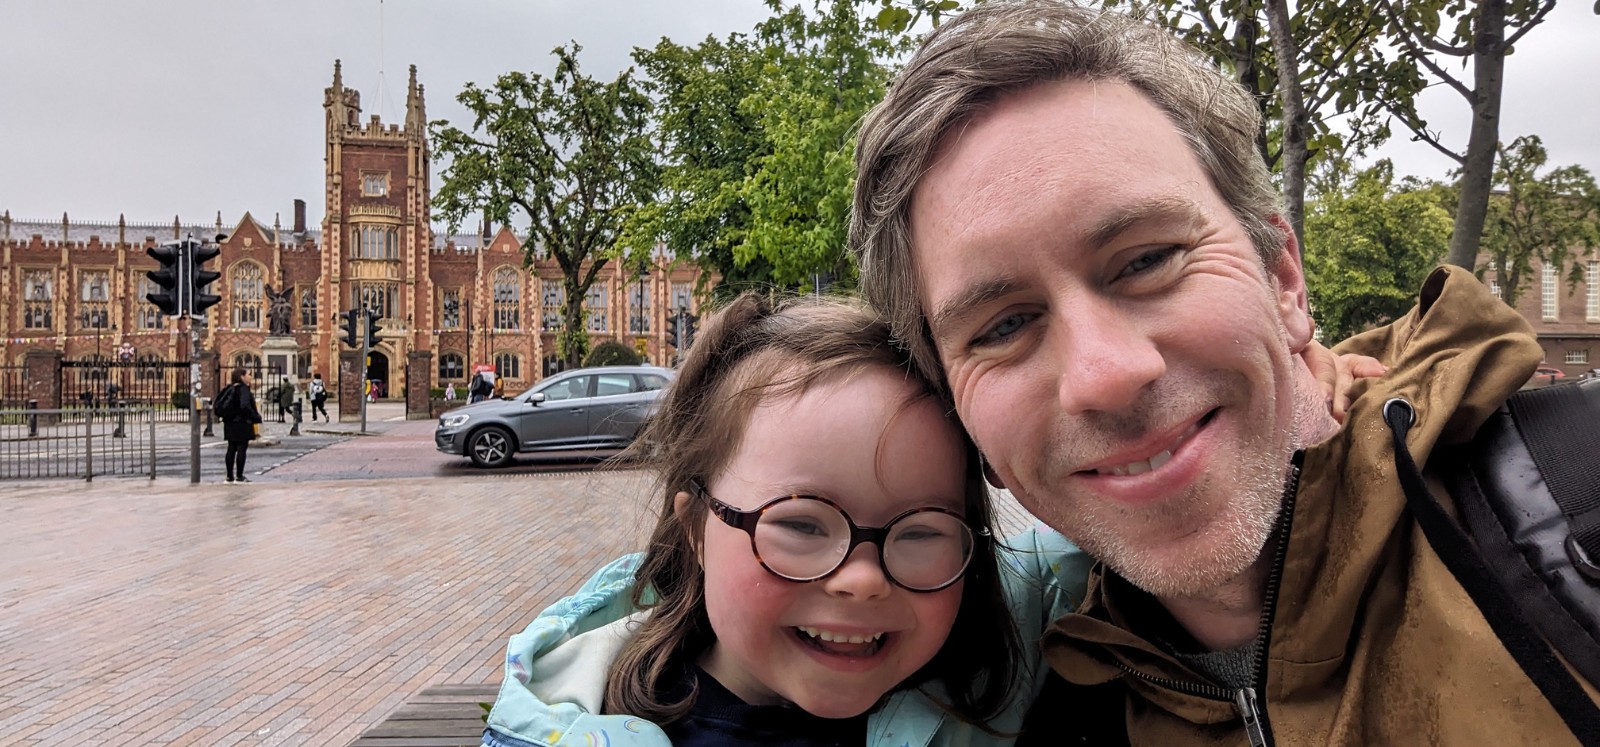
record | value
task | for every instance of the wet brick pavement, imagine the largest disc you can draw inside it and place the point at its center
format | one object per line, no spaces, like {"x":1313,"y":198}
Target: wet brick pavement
{"x":138,"y":612}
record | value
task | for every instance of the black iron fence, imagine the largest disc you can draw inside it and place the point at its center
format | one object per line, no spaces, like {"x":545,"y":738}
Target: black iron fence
{"x":13,"y":386}
{"x":81,"y":442}
{"x":161,"y":386}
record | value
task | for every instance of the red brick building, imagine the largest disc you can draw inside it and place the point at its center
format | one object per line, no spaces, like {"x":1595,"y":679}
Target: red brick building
{"x":447,"y":302}
{"x":1566,"y":317}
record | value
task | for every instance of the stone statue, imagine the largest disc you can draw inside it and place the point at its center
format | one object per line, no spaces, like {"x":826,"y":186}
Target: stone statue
{"x":280,"y":307}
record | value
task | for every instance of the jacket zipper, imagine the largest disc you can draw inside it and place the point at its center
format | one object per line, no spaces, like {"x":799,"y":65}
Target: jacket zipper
{"x":1252,"y":710}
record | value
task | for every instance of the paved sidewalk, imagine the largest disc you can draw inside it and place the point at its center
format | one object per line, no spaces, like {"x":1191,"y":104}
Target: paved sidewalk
{"x":139,"y":612}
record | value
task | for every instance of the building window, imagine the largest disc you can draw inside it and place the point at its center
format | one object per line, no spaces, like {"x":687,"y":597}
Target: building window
{"x":599,"y":320}
{"x":508,"y":365}
{"x":681,"y":297}
{"x":1577,"y":357}
{"x":247,"y":295}
{"x":308,"y":307}
{"x":94,"y":294}
{"x":379,"y":297}
{"x":38,"y":299}
{"x":639,"y":308}
{"x":149,"y":317}
{"x":553,"y":364}
{"x":553,"y":295}
{"x":375,"y":242}
{"x":450,"y":308}
{"x":302,"y":364}
{"x":1548,"y":293}
{"x":1593,"y":303}
{"x":248,"y":361}
{"x":507,"y":299}
{"x":451,"y":366}
{"x":1494,"y":287}
{"x":374,"y":184}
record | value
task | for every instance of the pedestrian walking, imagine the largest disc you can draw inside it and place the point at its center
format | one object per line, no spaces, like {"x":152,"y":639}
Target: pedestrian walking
{"x":241,"y":422}
{"x":319,"y":397}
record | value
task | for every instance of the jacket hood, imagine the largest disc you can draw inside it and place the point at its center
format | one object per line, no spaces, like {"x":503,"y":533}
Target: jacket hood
{"x":1455,"y":357}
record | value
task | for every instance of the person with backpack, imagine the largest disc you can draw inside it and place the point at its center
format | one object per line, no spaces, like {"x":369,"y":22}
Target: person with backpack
{"x":241,"y":422}
{"x":1065,"y":213}
{"x":319,"y":397}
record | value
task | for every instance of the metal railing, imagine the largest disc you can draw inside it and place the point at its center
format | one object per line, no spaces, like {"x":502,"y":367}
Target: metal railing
{"x":77,"y":442}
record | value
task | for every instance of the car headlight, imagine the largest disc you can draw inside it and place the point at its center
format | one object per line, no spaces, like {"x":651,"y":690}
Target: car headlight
{"x":453,"y":421}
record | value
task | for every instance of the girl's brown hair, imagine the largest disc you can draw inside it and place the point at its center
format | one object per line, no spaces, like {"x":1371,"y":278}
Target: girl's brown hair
{"x":751,"y":350}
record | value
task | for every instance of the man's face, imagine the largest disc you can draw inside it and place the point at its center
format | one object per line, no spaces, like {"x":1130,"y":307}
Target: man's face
{"x":1112,"y":340}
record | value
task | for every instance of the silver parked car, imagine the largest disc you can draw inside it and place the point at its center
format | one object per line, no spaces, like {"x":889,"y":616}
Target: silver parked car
{"x":581,"y":409}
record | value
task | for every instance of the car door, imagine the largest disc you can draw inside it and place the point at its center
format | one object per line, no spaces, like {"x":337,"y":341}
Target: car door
{"x":561,"y":420}
{"x":612,"y":421}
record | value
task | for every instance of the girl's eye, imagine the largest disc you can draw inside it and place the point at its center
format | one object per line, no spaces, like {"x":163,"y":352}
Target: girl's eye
{"x":1149,"y":260}
{"x":1002,"y":330}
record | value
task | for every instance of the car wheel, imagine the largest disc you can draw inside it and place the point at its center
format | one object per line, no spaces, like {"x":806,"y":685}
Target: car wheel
{"x":490,"y":447}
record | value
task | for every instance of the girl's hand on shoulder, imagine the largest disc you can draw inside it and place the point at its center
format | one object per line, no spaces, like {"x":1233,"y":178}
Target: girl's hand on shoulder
{"x":1336,"y":373}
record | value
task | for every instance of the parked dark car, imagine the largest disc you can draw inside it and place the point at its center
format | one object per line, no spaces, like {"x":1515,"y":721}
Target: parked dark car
{"x":583,"y":409}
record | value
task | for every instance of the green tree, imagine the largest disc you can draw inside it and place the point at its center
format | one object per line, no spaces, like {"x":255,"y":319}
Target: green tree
{"x":1380,"y":244}
{"x":569,"y":154}
{"x":611,"y":353}
{"x":1551,"y":217}
{"x":708,"y":143}
{"x":757,"y":133}
{"x":1425,"y":36}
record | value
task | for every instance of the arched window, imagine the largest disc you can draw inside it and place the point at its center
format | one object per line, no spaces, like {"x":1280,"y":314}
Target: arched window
{"x":507,"y":299}
{"x":451,"y":366}
{"x":247,"y":360}
{"x":553,"y":364}
{"x":246,"y":285}
{"x":508,"y":365}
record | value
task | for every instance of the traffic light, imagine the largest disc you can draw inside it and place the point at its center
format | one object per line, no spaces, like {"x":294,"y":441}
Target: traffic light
{"x":199,"y":255}
{"x":352,"y":328}
{"x":691,"y":324}
{"x":372,"y":329}
{"x":169,"y":298}
{"x":673,"y":331}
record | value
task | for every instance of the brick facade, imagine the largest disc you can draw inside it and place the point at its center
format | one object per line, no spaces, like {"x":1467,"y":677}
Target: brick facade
{"x":77,"y":288}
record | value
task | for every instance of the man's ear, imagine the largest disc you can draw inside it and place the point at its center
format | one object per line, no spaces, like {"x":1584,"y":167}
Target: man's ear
{"x":681,"y":504}
{"x":1294,"y":307}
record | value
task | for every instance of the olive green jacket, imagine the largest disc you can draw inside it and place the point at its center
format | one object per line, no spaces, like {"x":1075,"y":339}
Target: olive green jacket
{"x":1370,"y":640}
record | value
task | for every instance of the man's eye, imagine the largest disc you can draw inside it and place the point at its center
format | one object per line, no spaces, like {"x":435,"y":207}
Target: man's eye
{"x":1149,"y":260}
{"x":1002,"y":330}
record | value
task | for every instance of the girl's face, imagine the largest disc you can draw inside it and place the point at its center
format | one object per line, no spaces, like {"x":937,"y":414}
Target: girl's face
{"x":851,"y":440}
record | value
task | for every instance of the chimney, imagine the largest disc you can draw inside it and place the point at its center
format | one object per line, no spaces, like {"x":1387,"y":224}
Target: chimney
{"x":299,"y":216}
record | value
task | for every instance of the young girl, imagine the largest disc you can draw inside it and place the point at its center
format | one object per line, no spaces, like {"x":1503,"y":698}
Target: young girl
{"x":822,"y":572}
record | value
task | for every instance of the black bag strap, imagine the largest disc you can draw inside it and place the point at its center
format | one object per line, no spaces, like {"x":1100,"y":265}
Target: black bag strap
{"x":1558,"y":426}
{"x":1516,"y":633}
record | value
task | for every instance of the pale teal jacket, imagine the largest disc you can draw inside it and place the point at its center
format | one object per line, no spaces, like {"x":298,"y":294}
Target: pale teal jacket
{"x":555,"y":673}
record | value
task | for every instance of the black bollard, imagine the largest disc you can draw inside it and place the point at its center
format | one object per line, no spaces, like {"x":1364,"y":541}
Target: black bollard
{"x":210,"y":415}
{"x":33,"y":418}
{"x":294,"y":430}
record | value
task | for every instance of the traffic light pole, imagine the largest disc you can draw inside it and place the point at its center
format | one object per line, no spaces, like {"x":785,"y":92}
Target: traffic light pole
{"x":366,"y":350}
{"x":194,"y":401}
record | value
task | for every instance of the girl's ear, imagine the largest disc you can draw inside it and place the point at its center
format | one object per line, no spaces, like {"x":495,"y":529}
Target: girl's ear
{"x":681,"y":505}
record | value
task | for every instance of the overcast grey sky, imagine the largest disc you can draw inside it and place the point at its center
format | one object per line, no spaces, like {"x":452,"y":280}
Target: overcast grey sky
{"x":186,"y":107}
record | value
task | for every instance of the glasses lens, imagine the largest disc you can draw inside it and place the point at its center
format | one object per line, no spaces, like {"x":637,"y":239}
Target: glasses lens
{"x":802,"y":538}
{"x":927,"y":549}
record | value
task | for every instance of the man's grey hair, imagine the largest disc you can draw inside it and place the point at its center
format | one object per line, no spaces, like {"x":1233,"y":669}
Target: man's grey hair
{"x":1003,"y":46}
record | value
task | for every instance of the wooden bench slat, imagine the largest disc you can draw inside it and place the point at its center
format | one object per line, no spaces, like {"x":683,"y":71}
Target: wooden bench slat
{"x":438,"y":716}
{"x":417,"y":742}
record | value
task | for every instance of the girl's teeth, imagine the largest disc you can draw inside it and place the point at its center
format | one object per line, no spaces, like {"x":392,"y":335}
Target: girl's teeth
{"x":832,"y":637}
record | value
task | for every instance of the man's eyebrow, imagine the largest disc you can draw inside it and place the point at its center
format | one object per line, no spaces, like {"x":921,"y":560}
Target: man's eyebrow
{"x":970,"y":296}
{"x":1167,"y":208}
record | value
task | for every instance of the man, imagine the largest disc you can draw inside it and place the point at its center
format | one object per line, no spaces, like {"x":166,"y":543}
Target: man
{"x":319,"y":397}
{"x":1064,"y":213}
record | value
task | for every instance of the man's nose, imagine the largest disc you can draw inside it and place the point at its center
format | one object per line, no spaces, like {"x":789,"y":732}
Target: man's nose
{"x":1104,"y":358}
{"x":861,"y":576}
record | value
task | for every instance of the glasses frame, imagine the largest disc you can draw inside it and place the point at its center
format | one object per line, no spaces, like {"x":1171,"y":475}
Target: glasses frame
{"x":745,"y":521}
